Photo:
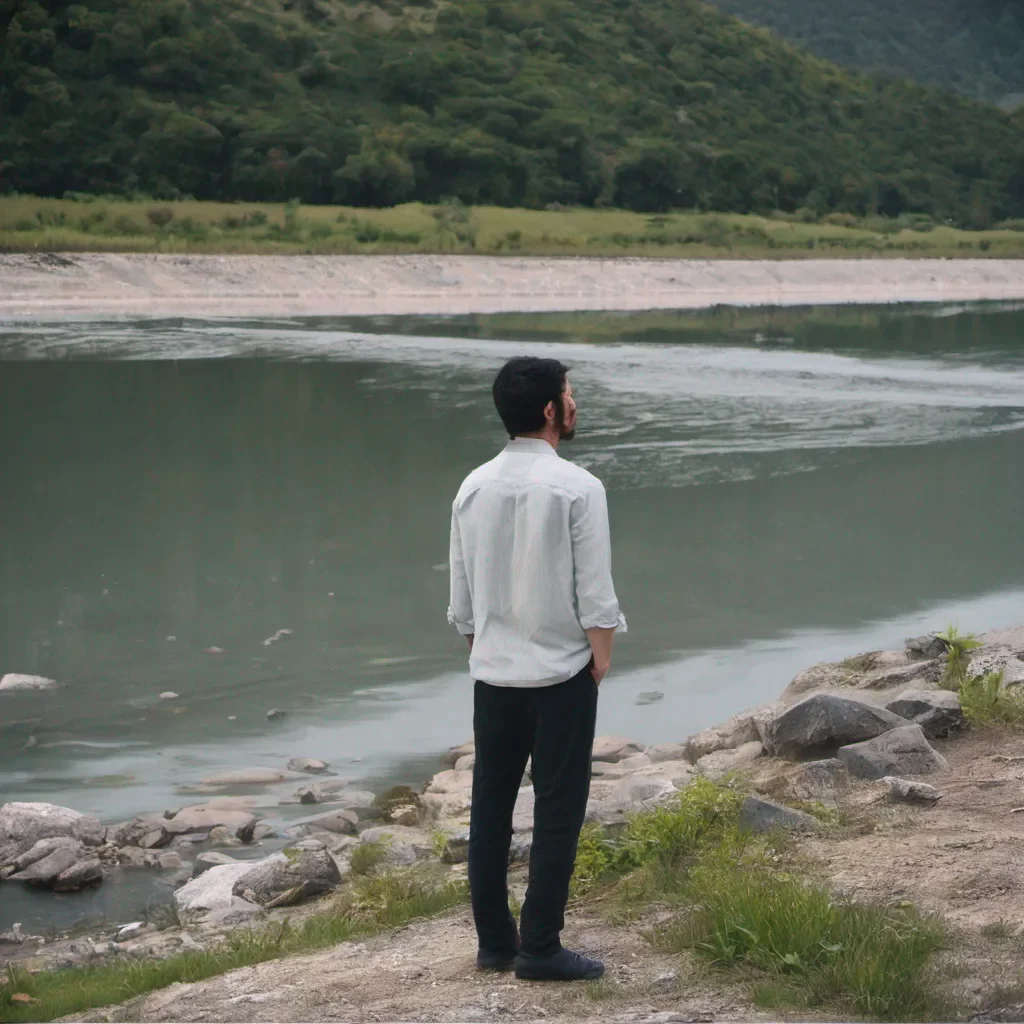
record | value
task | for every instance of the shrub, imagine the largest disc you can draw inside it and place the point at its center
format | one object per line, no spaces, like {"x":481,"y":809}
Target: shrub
{"x":160,"y":216}
{"x":985,"y":701}
{"x":841,"y":220}
{"x":320,"y":231}
{"x":365,"y":231}
{"x":257,"y":218}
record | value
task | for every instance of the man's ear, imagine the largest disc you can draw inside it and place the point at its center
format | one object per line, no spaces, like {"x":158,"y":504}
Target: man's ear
{"x":551,"y":413}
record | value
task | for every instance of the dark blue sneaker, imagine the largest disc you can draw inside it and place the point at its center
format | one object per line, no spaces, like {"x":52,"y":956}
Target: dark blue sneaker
{"x":488,"y":961}
{"x":565,"y":965}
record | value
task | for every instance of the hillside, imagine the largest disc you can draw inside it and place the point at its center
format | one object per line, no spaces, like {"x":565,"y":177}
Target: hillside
{"x":645,"y":104}
{"x":975,"y":47}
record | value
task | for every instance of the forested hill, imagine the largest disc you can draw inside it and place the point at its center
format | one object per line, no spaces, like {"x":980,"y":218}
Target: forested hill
{"x":973,"y":46}
{"x":647,"y":104}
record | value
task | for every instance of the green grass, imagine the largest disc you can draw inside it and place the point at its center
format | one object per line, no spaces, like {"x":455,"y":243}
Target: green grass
{"x":958,"y":655}
{"x":28,"y":224}
{"x":741,"y":911}
{"x":731,"y":900}
{"x":370,"y":905}
{"x":986,"y":701}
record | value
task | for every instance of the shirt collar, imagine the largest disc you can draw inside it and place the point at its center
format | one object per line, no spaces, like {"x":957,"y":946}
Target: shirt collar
{"x":530,"y":446}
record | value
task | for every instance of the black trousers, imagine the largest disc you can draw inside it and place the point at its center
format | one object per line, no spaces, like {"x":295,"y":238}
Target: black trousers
{"x":554,"y":725}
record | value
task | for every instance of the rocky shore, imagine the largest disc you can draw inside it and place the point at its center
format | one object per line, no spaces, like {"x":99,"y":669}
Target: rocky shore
{"x":876,"y":729}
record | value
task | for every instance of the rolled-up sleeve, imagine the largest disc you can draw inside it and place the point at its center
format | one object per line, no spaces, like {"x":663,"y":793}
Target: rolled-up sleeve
{"x":592,"y":562}
{"x":460,"y":609}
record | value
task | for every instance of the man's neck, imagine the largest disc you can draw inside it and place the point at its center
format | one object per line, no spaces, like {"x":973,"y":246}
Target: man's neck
{"x":549,"y":434}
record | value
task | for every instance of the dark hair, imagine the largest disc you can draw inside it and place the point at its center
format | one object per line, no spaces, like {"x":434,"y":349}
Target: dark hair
{"x":522,"y":390}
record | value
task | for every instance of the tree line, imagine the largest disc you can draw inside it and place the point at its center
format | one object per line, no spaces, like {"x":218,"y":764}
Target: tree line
{"x":644,"y":104}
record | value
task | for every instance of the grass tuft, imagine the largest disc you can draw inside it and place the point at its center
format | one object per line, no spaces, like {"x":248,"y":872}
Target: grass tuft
{"x":742,"y":911}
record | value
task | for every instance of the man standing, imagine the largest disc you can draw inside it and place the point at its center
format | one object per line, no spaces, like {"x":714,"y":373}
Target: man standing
{"x":531,"y":590}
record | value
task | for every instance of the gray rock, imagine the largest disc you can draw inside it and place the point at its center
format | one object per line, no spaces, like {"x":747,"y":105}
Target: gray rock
{"x":938,"y":712}
{"x":666,"y":752}
{"x":342,"y":823}
{"x":169,"y":860}
{"x":47,"y":869}
{"x":309,"y":765}
{"x":22,"y":825}
{"x":147,"y":831}
{"x":304,"y":870}
{"x":519,"y":850}
{"x":450,"y":756}
{"x":721,"y":763}
{"x":211,"y":893}
{"x":210,"y":859}
{"x":522,"y":813}
{"x":823,"y":722}
{"x":404,"y":846}
{"x":223,"y":836}
{"x":733,"y":733}
{"x":924,"y":648}
{"x":276,"y":713}
{"x":456,"y":848}
{"x":761,"y":815}
{"x":19,"y":681}
{"x":818,"y":780}
{"x":87,"y":871}
{"x":249,"y":777}
{"x":614,"y":748}
{"x":908,"y":792}
{"x":465,"y":763}
{"x":903,"y":751}
{"x":203,"y":817}
{"x":129,"y":931}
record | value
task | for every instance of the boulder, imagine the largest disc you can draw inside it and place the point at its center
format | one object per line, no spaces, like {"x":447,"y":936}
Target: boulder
{"x":448,"y":795}
{"x":759,"y":814}
{"x":87,"y":871}
{"x":734,"y":733}
{"x":823,"y":722}
{"x":339,"y":822}
{"x":679,"y":773}
{"x":318,"y":793}
{"x":721,"y":763}
{"x":203,"y":817}
{"x":22,"y":825}
{"x":666,"y":752}
{"x":817,"y":780}
{"x":450,"y":756}
{"x":925,"y":648}
{"x":146,"y":831}
{"x":628,"y":796}
{"x":403,"y":846}
{"x":903,"y":751}
{"x":210,"y":859}
{"x":210,"y":893}
{"x":614,"y":748}
{"x":630,"y":764}
{"x":307,"y":867}
{"x":220,"y":835}
{"x":18,"y":681}
{"x":465,"y":763}
{"x":249,"y":777}
{"x":519,"y":850}
{"x":308,"y":765}
{"x":58,"y":856}
{"x":938,"y":712}
{"x":907,"y":792}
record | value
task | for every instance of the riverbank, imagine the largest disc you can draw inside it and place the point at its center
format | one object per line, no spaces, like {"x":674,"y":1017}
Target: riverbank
{"x":105,"y":284}
{"x":865,"y":764}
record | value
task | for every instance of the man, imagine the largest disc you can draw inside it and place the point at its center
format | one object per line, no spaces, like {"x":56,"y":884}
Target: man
{"x":531,"y":590}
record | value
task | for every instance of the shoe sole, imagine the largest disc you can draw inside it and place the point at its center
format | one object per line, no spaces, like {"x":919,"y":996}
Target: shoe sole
{"x":499,"y":968}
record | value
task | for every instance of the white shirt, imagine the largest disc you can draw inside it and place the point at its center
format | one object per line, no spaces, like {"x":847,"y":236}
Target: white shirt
{"x":531,"y":566}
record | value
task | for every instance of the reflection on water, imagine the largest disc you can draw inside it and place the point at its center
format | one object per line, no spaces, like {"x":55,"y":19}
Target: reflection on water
{"x":783,"y":487}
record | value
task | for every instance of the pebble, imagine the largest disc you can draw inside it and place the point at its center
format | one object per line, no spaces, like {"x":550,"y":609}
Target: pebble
{"x":168,"y":695}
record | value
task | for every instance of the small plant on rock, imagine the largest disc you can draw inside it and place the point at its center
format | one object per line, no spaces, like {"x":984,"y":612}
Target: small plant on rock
{"x":986,"y":700}
{"x":958,"y":655}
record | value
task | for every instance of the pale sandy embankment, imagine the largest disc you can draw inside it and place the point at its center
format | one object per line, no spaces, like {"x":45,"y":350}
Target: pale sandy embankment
{"x":45,"y":284}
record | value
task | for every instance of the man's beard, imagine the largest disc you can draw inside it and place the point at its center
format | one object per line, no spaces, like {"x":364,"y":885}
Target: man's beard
{"x":564,"y":433}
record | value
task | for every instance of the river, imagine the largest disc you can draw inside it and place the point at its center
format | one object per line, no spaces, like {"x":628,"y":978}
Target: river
{"x":784,"y":487}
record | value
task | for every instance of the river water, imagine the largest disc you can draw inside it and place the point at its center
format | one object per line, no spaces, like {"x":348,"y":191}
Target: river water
{"x":784,"y":487}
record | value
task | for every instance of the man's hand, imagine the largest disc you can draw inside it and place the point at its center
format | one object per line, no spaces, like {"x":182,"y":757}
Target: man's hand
{"x":601,"y":646}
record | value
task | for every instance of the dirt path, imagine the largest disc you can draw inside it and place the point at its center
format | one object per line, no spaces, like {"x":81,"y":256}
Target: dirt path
{"x":425,"y":972}
{"x":46,"y":284}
